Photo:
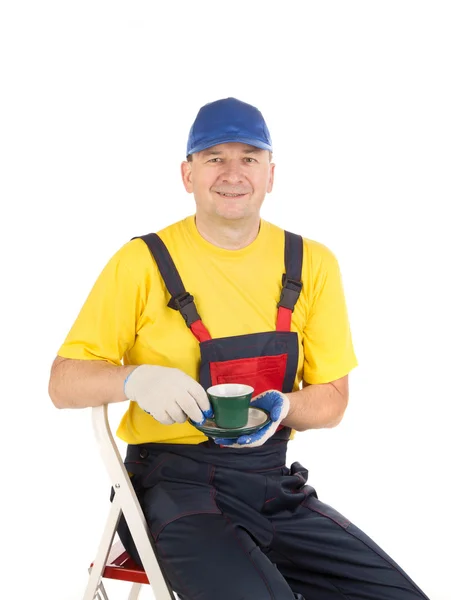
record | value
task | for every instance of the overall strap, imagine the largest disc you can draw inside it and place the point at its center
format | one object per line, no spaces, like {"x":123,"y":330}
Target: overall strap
{"x":291,"y":280}
{"x":181,"y":300}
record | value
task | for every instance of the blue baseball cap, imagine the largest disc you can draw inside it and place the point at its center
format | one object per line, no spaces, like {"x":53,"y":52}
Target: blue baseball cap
{"x":228,"y":120}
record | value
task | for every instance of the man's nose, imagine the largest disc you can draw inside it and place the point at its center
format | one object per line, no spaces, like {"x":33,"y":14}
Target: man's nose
{"x":233,"y":171}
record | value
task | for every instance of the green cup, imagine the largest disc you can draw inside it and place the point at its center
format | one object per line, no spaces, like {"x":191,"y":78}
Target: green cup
{"x":230,"y":402}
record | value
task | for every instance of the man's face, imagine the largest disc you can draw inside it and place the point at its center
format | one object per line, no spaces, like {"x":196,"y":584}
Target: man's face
{"x":230,"y":180}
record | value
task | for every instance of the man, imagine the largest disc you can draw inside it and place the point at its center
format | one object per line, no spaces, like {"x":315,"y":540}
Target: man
{"x":219,"y":297}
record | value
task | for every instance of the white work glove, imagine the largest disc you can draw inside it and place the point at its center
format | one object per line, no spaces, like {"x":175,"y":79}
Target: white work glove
{"x":168,"y":394}
{"x":278,"y":405}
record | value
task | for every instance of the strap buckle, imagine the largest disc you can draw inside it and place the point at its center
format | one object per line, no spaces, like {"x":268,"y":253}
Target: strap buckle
{"x":291,"y":291}
{"x":184,"y":303}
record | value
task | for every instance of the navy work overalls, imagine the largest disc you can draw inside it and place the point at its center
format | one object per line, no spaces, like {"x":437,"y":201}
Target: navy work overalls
{"x":238,"y":524}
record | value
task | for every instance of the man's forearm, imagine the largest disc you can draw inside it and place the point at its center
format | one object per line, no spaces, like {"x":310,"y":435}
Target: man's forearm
{"x":316,"y":407}
{"x":82,"y":383}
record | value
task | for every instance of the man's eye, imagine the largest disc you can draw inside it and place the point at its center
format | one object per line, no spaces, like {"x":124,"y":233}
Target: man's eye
{"x":250,"y":159}
{"x":214,"y":160}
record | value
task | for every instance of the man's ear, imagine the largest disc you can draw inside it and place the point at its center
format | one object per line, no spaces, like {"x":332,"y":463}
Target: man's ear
{"x":186,"y":176}
{"x":271,"y":178}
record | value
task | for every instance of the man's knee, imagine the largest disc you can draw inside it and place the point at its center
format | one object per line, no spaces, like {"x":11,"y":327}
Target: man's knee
{"x":206,"y":557}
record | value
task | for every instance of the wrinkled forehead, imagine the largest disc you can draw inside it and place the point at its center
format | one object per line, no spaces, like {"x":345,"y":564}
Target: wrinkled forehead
{"x":231,"y":148}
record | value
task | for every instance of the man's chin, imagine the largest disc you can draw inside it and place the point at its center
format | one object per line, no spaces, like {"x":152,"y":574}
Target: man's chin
{"x":227,"y":215}
{"x":233,"y":213}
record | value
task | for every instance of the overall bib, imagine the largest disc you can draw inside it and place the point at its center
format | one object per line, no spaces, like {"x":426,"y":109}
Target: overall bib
{"x":265,"y":361}
{"x":238,"y":524}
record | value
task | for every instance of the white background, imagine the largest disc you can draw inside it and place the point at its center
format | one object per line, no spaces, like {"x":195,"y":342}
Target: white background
{"x":96,"y":102}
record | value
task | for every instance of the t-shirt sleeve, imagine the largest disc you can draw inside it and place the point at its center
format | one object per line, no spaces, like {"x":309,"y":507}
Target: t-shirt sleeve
{"x":107,"y":323}
{"x":328,"y":348}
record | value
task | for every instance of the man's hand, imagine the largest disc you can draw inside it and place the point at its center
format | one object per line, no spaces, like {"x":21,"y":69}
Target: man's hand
{"x":168,"y":394}
{"x":277,"y":404}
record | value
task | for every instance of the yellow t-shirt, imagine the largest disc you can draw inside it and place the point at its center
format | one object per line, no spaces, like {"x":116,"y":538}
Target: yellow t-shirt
{"x":125,"y":318}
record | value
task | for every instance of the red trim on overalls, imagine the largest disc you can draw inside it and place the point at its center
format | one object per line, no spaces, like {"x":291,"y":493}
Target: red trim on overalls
{"x":284,"y":316}
{"x":199,"y":331}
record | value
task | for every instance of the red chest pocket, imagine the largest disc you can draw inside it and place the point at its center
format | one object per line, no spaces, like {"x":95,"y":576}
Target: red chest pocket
{"x":261,"y":372}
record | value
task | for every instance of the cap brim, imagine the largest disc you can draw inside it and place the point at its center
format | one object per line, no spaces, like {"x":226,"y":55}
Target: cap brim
{"x":226,"y":140}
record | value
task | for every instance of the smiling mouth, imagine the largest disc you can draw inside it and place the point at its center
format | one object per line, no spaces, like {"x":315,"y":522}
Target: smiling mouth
{"x":231,"y":195}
